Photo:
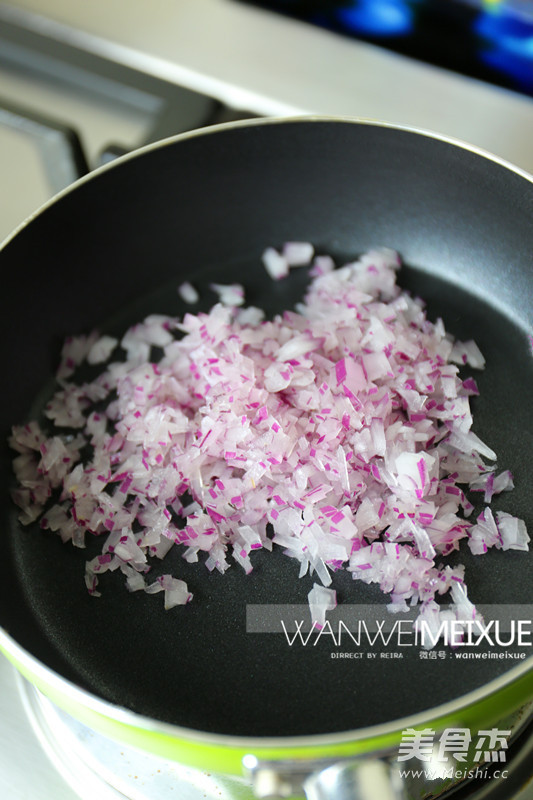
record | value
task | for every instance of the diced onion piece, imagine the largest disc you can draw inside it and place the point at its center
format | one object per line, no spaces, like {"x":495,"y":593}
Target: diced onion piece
{"x":298,"y":254}
{"x":321,"y":600}
{"x":275,"y":263}
{"x":513,"y":532}
{"x":231,"y":294}
{"x":101,"y":350}
{"x":188,"y":293}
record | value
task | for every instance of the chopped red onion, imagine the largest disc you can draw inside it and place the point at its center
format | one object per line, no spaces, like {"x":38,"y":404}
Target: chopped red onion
{"x":298,"y":254}
{"x":101,"y":350}
{"x":321,"y":600}
{"x":229,"y":294}
{"x":75,"y":350}
{"x":275,"y":263}
{"x":342,"y":426}
{"x":188,"y":293}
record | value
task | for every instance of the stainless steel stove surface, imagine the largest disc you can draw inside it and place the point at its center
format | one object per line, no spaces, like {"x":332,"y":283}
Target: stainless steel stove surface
{"x":82,"y":82}
{"x":95,"y":766}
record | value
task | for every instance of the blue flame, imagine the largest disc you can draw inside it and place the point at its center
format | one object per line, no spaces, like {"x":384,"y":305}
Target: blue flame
{"x":508,"y":44}
{"x":378,"y":17}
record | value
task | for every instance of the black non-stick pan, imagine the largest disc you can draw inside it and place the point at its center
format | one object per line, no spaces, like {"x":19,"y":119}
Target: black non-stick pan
{"x":203,"y":207}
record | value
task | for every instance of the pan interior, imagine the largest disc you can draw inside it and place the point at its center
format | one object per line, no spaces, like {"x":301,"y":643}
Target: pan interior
{"x":196,"y":665}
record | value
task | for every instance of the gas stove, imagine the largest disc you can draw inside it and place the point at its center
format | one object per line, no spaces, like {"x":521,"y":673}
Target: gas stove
{"x":81,"y":83}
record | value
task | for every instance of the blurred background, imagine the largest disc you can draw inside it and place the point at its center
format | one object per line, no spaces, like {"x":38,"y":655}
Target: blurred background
{"x":82,"y":82}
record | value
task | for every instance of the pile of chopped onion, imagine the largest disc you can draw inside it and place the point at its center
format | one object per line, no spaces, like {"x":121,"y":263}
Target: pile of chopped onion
{"x":340,"y":431}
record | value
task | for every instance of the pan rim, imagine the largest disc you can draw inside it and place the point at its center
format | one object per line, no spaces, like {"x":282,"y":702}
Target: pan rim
{"x":85,"y":698}
{"x":261,"y":122}
{"x":92,"y":702}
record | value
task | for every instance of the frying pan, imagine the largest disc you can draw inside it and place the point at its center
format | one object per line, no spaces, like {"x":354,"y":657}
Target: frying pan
{"x":191,"y":683}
